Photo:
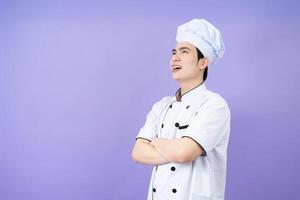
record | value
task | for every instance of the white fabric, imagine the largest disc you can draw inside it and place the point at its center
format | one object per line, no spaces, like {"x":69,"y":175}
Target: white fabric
{"x":203,"y":35}
{"x":208,"y":120}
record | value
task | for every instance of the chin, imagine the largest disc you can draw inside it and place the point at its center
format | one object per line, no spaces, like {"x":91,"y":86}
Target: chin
{"x":176,"y":78}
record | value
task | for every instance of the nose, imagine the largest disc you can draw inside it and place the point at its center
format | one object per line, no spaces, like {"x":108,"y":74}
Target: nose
{"x":175,"y":57}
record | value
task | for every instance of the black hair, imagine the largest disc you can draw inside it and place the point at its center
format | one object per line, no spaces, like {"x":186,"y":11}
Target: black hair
{"x":200,"y":55}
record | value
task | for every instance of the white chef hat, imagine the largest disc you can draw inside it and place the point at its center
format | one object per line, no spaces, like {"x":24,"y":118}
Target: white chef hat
{"x":203,"y":35}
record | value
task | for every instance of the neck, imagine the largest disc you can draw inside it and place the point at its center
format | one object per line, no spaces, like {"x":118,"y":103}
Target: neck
{"x":187,"y":86}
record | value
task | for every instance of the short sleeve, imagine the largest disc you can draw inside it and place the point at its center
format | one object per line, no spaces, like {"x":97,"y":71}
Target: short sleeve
{"x":209,"y":128}
{"x":149,"y":130}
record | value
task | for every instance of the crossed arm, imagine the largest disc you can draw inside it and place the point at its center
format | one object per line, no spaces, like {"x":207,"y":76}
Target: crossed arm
{"x":161,"y":151}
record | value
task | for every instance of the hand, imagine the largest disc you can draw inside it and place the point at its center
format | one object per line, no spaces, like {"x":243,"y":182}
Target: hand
{"x":159,"y":142}
{"x":155,"y":141}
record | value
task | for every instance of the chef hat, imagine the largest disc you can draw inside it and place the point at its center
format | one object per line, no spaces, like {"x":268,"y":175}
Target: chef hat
{"x":204,"y":36}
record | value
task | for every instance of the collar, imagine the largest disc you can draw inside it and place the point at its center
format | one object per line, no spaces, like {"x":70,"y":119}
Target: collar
{"x":192,"y":95}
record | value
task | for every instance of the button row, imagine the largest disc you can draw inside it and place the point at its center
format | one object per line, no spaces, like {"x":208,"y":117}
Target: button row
{"x":176,"y":125}
{"x":170,"y":106}
{"x":173,"y":190}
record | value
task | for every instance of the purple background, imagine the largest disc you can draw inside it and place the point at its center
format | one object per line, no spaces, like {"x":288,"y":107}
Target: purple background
{"x":77,"y":79}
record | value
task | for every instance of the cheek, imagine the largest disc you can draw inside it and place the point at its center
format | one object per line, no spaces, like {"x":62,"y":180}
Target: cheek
{"x":192,"y":70}
{"x":190,"y":61}
{"x":191,"y":65}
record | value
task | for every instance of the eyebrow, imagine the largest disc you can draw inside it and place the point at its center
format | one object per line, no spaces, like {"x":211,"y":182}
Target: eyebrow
{"x":181,"y":48}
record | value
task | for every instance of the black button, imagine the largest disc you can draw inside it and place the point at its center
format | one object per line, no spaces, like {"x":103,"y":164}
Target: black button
{"x":174,"y":190}
{"x":187,"y":107}
{"x":170,"y":106}
{"x":173,"y":168}
{"x":162,"y":125}
{"x":176,"y":124}
{"x":154,"y":190}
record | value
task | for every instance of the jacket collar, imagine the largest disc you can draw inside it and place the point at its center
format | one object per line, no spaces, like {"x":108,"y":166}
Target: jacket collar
{"x":192,"y":95}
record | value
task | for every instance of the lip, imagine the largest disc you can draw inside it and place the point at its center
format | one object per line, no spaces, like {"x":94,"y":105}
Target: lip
{"x":176,"y":68}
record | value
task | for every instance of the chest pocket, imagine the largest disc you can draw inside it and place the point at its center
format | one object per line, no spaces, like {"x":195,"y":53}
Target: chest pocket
{"x":183,"y":127}
{"x":183,"y":124}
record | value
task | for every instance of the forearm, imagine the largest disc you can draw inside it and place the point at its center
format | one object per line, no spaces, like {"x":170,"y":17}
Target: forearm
{"x":144,"y":153}
{"x":177,"y":150}
{"x":168,"y":148}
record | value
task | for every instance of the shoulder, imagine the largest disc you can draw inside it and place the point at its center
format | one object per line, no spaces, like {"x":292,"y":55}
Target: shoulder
{"x":163,"y":102}
{"x":216,"y":101}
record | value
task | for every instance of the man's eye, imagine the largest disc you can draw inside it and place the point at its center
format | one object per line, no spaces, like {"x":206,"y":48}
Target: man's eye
{"x":184,"y":51}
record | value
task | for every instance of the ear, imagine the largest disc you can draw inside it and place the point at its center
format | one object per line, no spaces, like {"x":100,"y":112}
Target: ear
{"x":203,"y":63}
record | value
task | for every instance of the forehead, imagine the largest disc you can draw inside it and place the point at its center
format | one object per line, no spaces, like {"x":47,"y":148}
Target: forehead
{"x":185,"y":44}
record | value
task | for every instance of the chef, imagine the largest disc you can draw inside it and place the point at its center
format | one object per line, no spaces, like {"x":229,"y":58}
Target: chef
{"x":185,"y":136}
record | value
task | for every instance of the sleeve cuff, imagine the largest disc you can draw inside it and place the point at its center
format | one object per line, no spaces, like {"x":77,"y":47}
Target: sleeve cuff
{"x":142,"y":138}
{"x":204,"y":152}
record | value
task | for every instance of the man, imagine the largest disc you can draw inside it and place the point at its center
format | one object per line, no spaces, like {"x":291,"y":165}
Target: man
{"x":185,"y":136}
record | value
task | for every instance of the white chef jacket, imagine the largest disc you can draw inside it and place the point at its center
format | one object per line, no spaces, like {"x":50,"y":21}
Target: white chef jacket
{"x":203,"y":116}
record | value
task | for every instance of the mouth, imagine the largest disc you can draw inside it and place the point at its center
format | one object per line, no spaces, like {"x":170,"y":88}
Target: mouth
{"x":176,"y":68}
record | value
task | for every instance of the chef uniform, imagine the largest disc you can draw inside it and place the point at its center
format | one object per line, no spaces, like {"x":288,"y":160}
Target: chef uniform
{"x":201,"y":115}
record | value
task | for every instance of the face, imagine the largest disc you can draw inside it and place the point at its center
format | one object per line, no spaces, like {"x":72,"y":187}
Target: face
{"x":184,"y":63}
